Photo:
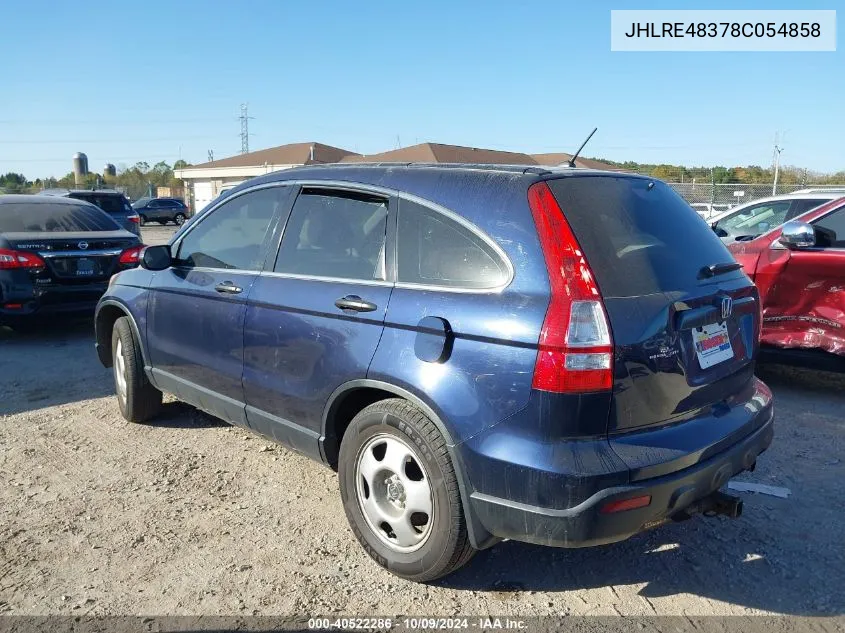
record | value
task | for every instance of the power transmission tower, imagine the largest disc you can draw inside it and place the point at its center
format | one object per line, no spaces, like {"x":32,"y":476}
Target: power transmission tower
{"x":245,"y":128}
{"x":210,"y":155}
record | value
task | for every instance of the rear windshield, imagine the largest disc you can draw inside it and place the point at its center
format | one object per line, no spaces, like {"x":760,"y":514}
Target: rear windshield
{"x":39,"y":217}
{"x":109,"y":204}
{"x":639,"y":236}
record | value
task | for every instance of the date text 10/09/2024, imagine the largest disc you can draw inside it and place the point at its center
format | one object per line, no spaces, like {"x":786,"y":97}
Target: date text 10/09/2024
{"x":417,"y":623}
{"x":723,"y":29}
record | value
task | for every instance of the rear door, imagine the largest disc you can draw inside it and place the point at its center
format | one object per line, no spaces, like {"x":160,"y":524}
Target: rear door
{"x":684,"y":333}
{"x":805,"y":306}
{"x":153,"y":211}
{"x":314,"y":321}
{"x":196,"y":310}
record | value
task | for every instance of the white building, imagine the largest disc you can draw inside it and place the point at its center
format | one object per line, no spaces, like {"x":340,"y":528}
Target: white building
{"x":203,"y":183}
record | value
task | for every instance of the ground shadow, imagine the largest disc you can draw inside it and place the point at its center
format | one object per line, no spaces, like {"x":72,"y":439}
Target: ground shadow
{"x":179,"y":415}
{"x":719,"y":559}
{"x":53,"y":364}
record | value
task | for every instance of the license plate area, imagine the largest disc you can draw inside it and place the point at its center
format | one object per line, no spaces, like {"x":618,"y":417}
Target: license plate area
{"x":712,"y":344}
{"x":85,"y":267}
{"x":78,"y":267}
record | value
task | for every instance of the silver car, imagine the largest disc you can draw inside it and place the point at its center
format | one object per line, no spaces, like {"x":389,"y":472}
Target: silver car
{"x":747,"y":221}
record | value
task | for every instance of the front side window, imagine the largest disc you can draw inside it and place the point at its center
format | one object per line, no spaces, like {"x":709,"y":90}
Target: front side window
{"x":232,"y":236}
{"x":335,"y":234}
{"x":830,"y":230}
{"x":756,"y":220}
{"x":435,"y":250}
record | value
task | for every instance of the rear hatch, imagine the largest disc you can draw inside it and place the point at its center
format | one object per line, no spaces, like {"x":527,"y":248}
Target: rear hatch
{"x":74,"y":257}
{"x":683,"y":319}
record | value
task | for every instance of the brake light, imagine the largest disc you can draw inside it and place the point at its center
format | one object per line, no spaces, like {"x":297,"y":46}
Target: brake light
{"x":575,"y":347}
{"x":626,"y":504}
{"x":134,"y":218}
{"x":10,"y":259}
{"x":131,"y":256}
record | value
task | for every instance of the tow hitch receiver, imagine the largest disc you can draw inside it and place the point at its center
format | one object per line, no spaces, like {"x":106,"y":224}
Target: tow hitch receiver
{"x":712,"y":505}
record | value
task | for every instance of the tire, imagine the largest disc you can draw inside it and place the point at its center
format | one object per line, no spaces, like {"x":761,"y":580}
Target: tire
{"x":179,"y":219}
{"x":138,"y":399}
{"x":381,"y":513}
{"x":143,"y":220}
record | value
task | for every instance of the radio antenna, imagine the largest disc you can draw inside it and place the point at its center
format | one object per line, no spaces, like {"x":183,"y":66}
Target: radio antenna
{"x":575,"y":155}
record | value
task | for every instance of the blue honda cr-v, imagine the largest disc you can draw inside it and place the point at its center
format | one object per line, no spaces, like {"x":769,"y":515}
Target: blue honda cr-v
{"x":564,"y":357}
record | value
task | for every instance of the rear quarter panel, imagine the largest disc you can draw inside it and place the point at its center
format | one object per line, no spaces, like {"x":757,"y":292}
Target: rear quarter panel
{"x":487,"y":377}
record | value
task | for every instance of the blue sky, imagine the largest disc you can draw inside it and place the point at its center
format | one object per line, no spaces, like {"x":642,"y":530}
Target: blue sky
{"x":155,"y":80}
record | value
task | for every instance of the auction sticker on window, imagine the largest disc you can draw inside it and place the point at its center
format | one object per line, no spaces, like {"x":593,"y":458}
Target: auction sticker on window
{"x":723,"y":30}
{"x":712,"y":344}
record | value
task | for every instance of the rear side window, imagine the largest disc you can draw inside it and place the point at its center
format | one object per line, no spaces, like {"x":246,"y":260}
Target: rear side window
{"x":802,"y":206}
{"x":639,"y":236}
{"x":435,"y":250}
{"x":335,"y":234}
{"x":832,"y":230}
{"x":47,"y":217}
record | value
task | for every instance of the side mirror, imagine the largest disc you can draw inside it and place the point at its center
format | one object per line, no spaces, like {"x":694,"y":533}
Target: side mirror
{"x":797,"y":235}
{"x":156,"y":257}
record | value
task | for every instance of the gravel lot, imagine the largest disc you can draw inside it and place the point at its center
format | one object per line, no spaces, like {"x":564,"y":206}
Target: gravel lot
{"x":187,"y":515}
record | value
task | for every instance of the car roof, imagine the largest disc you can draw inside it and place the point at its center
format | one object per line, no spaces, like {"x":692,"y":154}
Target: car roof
{"x":373,"y":169}
{"x":67,"y":192}
{"x":422,"y":178}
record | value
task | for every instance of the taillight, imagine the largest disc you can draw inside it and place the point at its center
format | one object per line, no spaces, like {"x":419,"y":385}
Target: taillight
{"x":575,"y":349}
{"x":131,"y":256}
{"x":134,"y":218}
{"x":10,"y":259}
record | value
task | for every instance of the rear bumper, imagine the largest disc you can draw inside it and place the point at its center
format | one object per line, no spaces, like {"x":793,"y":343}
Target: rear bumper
{"x":51,"y":300}
{"x":585,"y":525}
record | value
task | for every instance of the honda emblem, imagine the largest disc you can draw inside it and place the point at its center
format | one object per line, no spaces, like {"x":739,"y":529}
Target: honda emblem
{"x":727,"y":307}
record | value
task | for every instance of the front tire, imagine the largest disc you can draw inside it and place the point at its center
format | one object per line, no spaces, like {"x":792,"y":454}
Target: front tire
{"x":143,"y":220}
{"x":138,"y":399}
{"x":400,"y":492}
{"x":179,"y":219}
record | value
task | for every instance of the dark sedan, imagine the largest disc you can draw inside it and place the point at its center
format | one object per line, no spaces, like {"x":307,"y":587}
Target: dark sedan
{"x":161,"y":210}
{"x":56,"y":256}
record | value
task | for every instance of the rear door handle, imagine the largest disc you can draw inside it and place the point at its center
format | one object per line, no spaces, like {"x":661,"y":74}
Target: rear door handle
{"x":228,"y":288}
{"x":356,"y":303}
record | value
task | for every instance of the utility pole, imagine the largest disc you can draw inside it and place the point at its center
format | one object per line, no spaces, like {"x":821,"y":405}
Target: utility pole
{"x":778,"y":150}
{"x":245,"y":128}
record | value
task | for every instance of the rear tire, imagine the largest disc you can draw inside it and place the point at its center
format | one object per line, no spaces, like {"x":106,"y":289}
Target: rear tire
{"x":179,"y":219}
{"x":138,"y":399}
{"x":391,"y":457}
{"x":143,"y":220}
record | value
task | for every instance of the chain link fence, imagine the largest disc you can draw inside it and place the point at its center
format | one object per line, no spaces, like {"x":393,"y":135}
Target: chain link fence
{"x":711,"y":198}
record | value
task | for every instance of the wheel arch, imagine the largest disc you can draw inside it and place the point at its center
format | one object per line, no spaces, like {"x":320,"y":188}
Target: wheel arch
{"x":108,"y":312}
{"x":351,"y":397}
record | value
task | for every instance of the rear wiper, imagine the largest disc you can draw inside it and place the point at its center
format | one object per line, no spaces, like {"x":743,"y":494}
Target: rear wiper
{"x":717,"y":269}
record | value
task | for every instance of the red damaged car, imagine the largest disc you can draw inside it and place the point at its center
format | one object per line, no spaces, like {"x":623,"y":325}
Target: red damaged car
{"x":799,"y":269}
